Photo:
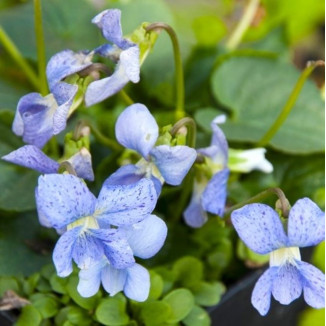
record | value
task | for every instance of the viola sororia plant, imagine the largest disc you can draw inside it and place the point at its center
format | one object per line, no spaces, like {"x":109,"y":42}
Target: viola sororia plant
{"x":137,"y":181}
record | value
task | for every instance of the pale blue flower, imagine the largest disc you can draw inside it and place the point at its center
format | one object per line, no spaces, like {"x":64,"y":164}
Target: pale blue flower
{"x":210,"y":195}
{"x":121,"y":51}
{"x":137,"y":129}
{"x":33,"y":158}
{"x":260,"y":227}
{"x":38,"y":118}
{"x":145,"y":239}
{"x":94,"y":227}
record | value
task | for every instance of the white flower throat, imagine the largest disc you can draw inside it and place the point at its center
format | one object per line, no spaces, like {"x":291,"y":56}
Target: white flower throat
{"x":88,"y":222}
{"x":282,"y":256}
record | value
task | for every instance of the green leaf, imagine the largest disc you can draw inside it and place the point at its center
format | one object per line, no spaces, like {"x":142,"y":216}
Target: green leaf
{"x":86,"y":303}
{"x":58,"y":284}
{"x":209,"y":30}
{"x":315,"y":317}
{"x":255,"y":89}
{"x":208,"y":294}
{"x":197,"y":317}
{"x":250,"y":256}
{"x":29,"y":316}
{"x":155,"y":313}
{"x":112,"y":312}
{"x":181,"y":302}
{"x":64,"y":27}
{"x":157,"y":285}
{"x":18,"y":184}
{"x":189,"y":271}
{"x":46,"y":304}
{"x":8,"y":283}
{"x":318,"y":257}
{"x":15,"y":234}
{"x":72,"y":315}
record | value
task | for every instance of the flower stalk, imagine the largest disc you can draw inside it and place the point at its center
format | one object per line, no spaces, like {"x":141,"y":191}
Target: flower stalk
{"x":19,"y":59}
{"x":311,"y":65}
{"x":179,"y":79}
{"x":192,"y":129}
{"x":283,"y":203}
{"x":39,"y":35}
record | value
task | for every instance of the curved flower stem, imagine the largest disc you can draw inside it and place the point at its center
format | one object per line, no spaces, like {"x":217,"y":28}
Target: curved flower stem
{"x":284,"y":203}
{"x":126,"y":98}
{"x":17,"y":56}
{"x":179,"y":80}
{"x":290,"y":102}
{"x":110,"y":143}
{"x":186,"y":122}
{"x":243,"y":25}
{"x":41,"y":60}
{"x":67,"y":167}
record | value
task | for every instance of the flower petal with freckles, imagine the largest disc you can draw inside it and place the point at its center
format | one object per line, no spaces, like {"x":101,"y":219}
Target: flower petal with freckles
{"x":63,"y":199}
{"x":33,"y":158}
{"x":125,"y":205}
{"x":287,"y":284}
{"x":306,"y":226}
{"x":259,"y":227}
{"x":313,"y":285}
{"x":261,"y":295}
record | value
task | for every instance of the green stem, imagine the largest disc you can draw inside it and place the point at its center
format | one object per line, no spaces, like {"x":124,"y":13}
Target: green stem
{"x":41,"y":59}
{"x":103,"y":139}
{"x":125,"y":97}
{"x":261,"y":196}
{"x":17,"y":56}
{"x":243,"y":25}
{"x":179,"y":79}
{"x":191,"y":124}
{"x":290,"y":103}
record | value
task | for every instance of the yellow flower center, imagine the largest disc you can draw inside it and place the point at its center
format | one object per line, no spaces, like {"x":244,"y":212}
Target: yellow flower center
{"x":284,"y":255}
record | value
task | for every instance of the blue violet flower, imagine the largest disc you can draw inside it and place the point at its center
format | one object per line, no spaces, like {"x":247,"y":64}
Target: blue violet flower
{"x":261,"y":229}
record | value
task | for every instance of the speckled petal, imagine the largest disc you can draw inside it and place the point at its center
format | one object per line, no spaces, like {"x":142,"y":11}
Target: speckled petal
{"x":147,"y":237}
{"x":287,"y":284}
{"x":113,"y":279}
{"x":87,"y":250}
{"x":82,"y":163}
{"x":259,"y":227}
{"x":99,"y":90}
{"x":62,"y":253}
{"x":173,"y":162}
{"x":64,"y":94}
{"x":137,"y":284}
{"x":214,"y":196}
{"x":126,"y":205}
{"x":306,"y":226}
{"x":116,"y":247}
{"x":34,"y":118}
{"x":261,"y":295}
{"x":137,"y":129}
{"x":313,"y":285}
{"x":90,"y":280}
{"x":129,"y":59}
{"x":63,"y":198}
{"x":32,"y":157}
{"x":66,"y":63}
